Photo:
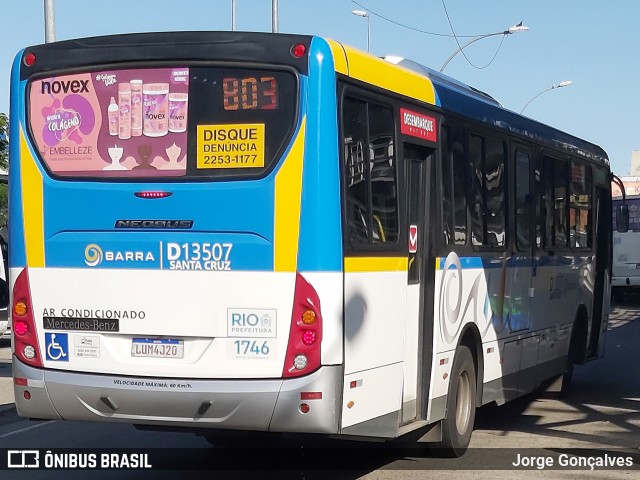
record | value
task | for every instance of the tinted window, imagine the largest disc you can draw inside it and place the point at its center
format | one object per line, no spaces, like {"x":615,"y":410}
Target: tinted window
{"x":168,"y":122}
{"x":523,"y":201}
{"x":370,"y":173}
{"x":454,"y":201}
{"x":356,"y":173}
{"x":580,"y":206}
{"x":487,"y":205}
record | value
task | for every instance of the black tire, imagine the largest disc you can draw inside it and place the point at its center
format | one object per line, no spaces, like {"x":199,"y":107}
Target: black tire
{"x":617,"y":294}
{"x":457,"y":426}
{"x":576,"y":350}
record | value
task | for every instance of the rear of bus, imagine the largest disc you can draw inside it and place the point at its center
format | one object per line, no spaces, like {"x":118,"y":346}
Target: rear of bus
{"x":166,"y":266}
{"x":626,"y":250}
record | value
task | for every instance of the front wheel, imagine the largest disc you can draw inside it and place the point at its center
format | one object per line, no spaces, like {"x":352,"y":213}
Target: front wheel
{"x":461,"y":405}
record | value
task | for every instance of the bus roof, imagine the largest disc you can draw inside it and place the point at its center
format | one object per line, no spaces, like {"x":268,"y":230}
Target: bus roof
{"x":467,"y":101}
{"x":451,"y":94}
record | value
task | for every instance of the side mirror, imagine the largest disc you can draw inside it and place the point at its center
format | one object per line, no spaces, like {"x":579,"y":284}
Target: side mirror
{"x":622,"y":218}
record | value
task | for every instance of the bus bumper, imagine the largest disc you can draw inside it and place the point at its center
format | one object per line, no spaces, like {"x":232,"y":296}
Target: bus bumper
{"x":631,"y":281}
{"x":260,"y":405}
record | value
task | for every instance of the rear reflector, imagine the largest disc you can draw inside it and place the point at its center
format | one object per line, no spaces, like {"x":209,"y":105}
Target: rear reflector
{"x":310,"y":395}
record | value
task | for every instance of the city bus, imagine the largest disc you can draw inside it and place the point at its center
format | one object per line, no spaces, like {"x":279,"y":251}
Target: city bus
{"x":250,"y":234}
{"x":4,"y":268}
{"x":626,"y":246}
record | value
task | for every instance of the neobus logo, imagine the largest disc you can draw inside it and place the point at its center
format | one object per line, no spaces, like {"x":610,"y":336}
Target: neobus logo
{"x":94,"y":256}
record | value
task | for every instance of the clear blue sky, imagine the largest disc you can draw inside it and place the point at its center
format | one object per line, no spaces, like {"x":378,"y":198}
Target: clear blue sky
{"x":590,"y":42}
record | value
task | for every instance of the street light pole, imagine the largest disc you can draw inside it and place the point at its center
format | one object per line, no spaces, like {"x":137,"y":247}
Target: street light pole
{"x":233,"y":15}
{"x":564,"y":83}
{"x":509,"y":31}
{"x":274,"y":16}
{"x":362,"y":13}
{"x":49,"y":22}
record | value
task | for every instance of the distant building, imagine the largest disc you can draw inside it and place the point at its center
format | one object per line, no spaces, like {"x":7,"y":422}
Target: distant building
{"x":631,"y":185}
{"x":635,"y":163}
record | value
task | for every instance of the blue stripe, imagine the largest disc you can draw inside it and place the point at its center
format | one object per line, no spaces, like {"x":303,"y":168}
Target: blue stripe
{"x":320,"y":247}
{"x":17,"y":251}
{"x":485,"y":262}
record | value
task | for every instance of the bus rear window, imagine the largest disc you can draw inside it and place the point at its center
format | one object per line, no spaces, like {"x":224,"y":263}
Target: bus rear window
{"x":163,"y":123}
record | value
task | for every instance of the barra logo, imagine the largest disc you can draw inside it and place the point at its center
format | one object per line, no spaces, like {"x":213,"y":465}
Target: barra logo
{"x":93,"y":255}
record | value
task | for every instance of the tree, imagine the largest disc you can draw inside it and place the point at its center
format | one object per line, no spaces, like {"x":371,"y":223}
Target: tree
{"x":4,"y":142}
{"x":4,"y":166}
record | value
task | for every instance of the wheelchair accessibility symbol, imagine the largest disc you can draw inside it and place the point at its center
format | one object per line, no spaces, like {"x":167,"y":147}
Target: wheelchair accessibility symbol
{"x":57,"y":345}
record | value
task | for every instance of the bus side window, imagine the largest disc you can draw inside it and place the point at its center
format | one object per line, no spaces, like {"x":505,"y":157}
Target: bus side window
{"x":523,"y":201}
{"x":370,"y":173}
{"x":382,"y":168}
{"x":580,"y":206}
{"x":487,"y":201}
{"x":357,"y":189}
{"x":454,"y":189}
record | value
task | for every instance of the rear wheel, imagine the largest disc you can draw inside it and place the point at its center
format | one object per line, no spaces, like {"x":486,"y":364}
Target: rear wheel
{"x":617,"y":294}
{"x":574,"y":356}
{"x":461,"y":405}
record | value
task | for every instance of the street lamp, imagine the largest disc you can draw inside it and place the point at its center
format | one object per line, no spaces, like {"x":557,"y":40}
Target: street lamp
{"x":509,"y":31}
{"x":49,"y":22}
{"x":362,"y":13}
{"x":564,"y":83}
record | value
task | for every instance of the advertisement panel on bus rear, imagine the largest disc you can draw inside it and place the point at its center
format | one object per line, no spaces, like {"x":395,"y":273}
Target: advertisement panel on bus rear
{"x":119,"y":123}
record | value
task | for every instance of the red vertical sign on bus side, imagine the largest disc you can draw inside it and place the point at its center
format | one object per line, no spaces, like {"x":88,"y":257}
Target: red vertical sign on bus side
{"x":413,"y":238}
{"x":418,"y":125}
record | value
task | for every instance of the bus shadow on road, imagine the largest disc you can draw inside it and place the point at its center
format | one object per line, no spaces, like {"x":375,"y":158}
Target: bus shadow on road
{"x":602,"y":406}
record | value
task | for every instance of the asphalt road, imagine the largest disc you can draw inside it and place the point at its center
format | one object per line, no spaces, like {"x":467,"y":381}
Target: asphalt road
{"x":600,"y":416}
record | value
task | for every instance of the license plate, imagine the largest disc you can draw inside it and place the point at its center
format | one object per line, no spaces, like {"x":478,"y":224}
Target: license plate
{"x":157,"y":348}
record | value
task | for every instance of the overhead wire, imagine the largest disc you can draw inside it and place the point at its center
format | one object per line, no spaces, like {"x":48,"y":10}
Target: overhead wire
{"x":454,"y":35}
{"x":461,"y":48}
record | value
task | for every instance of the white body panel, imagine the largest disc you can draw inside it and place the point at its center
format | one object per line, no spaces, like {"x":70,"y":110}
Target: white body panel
{"x":524,"y":320}
{"x":375,"y":313}
{"x":178,"y":305}
{"x":377,"y":393}
{"x":411,"y":344}
{"x":328,"y":286}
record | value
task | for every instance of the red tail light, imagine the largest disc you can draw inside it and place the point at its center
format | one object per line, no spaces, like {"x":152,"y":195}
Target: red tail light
{"x":305,"y":336}
{"x":23,"y":325}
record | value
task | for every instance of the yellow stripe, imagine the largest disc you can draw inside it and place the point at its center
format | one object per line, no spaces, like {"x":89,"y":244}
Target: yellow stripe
{"x":32,"y":205}
{"x":288,"y":191}
{"x":383,"y":74}
{"x":375,"y":264}
{"x":339,"y":60}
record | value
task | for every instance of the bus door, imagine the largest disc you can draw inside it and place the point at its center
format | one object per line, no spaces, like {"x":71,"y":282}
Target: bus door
{"x":418,"y":330}
{"x":603,"y":252}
